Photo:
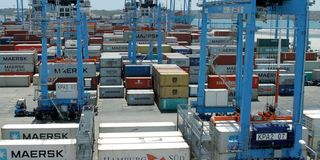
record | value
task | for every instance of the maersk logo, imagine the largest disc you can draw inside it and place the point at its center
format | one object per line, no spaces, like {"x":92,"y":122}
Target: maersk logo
{"x":3,"y":154}
{"x":14,"y":135}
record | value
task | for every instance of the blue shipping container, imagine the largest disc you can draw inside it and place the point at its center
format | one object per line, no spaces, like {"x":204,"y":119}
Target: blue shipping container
{"x":286,"y":90}
{"x":5,"y":40}
{"x":194,"y":60}
{"x":137,"y":71}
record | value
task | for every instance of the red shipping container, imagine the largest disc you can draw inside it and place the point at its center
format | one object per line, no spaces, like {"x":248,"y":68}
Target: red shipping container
{"x":224,"y":33}
{"x":29,"y":47}
{"x":183,"y":43}
{"x":138,"y":82}
{"x":26,"y":37}
{"x":26,"y":42}
{"x":215,"y":82}
{"x":13,"y":32}
{"x":291,"y":56}
{"x":186,"y":69}
{"x":9,"y":47}
{"x":228,"y":59}
{"x":182,"y":26}
{"x":95,"y":40}
{"x":181,"y":36}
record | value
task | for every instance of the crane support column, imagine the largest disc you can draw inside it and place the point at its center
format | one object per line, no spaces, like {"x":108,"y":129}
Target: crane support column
{"x":159,"y":35}
{"x":288,"y":27}
{"x":239,"y":60}
{"x":80,"y":79}
{"x":202,"y":67}
{"x":134,"y":48}
{"x":247,"y":91}
{"x":277,"y":27}
{"x":169,"y":17}
{"x":85,"y":36}
{"x":22,"y":14}
{"x":44,"y":59}
{"x":59,"y":38}
{"x":18,"y":12}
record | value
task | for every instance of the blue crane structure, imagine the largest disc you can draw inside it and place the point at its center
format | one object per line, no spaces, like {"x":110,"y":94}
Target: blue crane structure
{"x":48,"y":106}
{"x":248,"y":9}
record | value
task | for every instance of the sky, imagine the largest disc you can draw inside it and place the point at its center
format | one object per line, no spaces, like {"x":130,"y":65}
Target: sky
{"x":118,"y":4}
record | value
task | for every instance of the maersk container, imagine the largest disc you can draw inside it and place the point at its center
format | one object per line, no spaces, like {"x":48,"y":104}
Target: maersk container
{"x":111,"y":91}
{"x":177,"y":151}
{"x":224,"y":69}
{"x":12,"y":68}
{"x":110,"y":60}
{"x":181,"y":49}
{"x":140,"y":134}
{"x":267,"y":76}
{"x":138,"y":127}
{"x":140,"y":140}
{"x":268,"y":89}
{"x":213,"y":40}
{"x":169,"y":104}
{"x":110,"y":81}
{"x":110,"y":72}
{"x":38,"y":149}
{"x":69,"y":70}
{"x":137,"y":71}
{"x":115,"y":47}
{"x":286,"y":90}
{"x":286,"y":79}
{"x":39,"y":131}
{"x":181,"y":61}
{"x":265,"y":61}
{"x":15,"y":81}
{"x":140,"y":97}
{"x":316,"y":75}
{"x":308,"y":65}
{"x":289,"y":68}
{"x":12,"y":57}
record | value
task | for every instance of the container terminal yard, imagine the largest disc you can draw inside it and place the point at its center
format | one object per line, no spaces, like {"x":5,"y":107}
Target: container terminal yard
{"x":160,"y":81}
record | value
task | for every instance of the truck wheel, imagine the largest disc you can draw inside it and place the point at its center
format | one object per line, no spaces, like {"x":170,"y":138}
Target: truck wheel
{"x":38,"y":116}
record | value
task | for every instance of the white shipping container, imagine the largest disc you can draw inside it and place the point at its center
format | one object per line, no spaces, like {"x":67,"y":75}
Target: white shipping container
{"x":311,"y":121}
{"x":140,"y":140}
{"x":223,"y":69}
{"x":140,"y":134}
{"x":39,"y":131}
{"x":71,"y":44}
{"x":94,"y":50}
{"x":115,"y":47}
{"x":140,"y":97}
{"x":267,"y":76}
{"x":38,"y":149}
{"x":177,"y":151}
{"x":219,"y":40}
{"x":216,"y":97}
{"x":267,"y":89}
{"x":9,"y":68}
{"x":195,"y":49}
{"x":15,"y":81}
{"x":16,"y":57}
{"x":171,"y":40}
{"x":181,"y":61}
{"x":137,"y":127}
{"x":218,"y":49}
{"x":66,"y":90}
{"x":69,"y":70}
{"x":110,"y":72}
{"x":110,"y":38}
{"x":265,"y":61}
{"x":289,"y":68}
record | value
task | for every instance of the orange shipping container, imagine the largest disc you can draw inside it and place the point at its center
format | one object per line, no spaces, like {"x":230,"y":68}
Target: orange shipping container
{"x":215,"y":82}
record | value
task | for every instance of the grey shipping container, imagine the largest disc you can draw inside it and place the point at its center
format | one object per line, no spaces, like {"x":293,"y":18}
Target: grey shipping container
{"x":136,"y":127}
{"x":9,"y":68}
{"x":316,"y":75}
{"x":288,"y":67}
{"x":110,"y":81}
{"x":111,"y":91}
{"x":115,"y":47}
{"x":14,"y":57}
{"x":140,"y":97}
{"x":69,"y":70}
{"x":111,"y":60}
{"x":15,"y":81}
{"x":266,"y":76}
{"x":110,"y":72}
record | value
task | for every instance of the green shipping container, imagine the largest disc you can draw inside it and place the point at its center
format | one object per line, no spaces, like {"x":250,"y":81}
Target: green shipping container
{"x":170,"y":104}
{"x":308,"y":76}
{"x":272,"y":42}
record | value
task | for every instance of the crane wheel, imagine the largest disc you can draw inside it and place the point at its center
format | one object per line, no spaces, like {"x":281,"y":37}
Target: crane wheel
{"x":38,"y":116}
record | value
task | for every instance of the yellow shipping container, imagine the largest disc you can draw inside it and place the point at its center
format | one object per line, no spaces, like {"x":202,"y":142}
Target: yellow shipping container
{"x":172,"y":79}
{"x":173,"y":92}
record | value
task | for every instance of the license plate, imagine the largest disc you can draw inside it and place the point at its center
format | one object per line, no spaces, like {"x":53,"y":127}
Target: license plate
{"x":271,"y":136}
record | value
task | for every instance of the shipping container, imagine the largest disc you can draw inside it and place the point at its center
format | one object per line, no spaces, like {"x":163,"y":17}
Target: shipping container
{"x":16,"y":68}
{"x":286,"y":79}
{"x":232,"y":95}
{"x":144,"y":151}
{"x":181,"y":49}
{"x":267,"y":76}
{"x":144,"y":48}
{"x":67,"y":90}
{"x":40,"y":131}
{"x":138,"y":82}
{"x":110,"y":72}
{"x":179,"y":60}
{"x":105,"y":81}
{"x":223,"y":69}
{"x":213,"y":40}
{"x":216,"y":97}
{"x":271,"y":50}
{"x":172,"y":92}
{"x":143,"y":35}
{"x":267,"y":89}
{"x":115,"y":47}
{"x":6,"y":47}
{"x":308,"y":76}
{"x":218,"y":49}
{"x":15,"y":80}
{"x":38,"y":149}
{"x":140,"y":140}
{"x":137,"y":70}
{"x":286,"y":90}
{"x":116,"y":91}
{"x":316,"y":75}
{"x":171,"y":40}
{"x":170,"y":104}
{"x":289,"y":56}
{"x":94,"y":50}
{"x":140,"y":97}
{"x":272,"y":42}
{"x":182,"y":36}
{"x":69,"y":70}
{"x":29,"y":47}
{"x":265,"y":61}
{"x":110,"y":60}
{"x":308,"y":65}
{"x":137,"y":127}
{"x":289,"y":68}
{"x":215,"y":81}
{"x":194,"y":60}
{"x":195,"y":49}
{"x":71,"y":44}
